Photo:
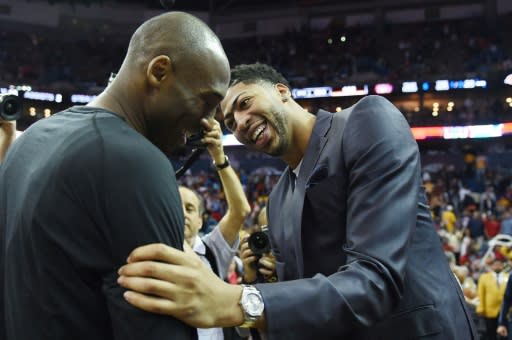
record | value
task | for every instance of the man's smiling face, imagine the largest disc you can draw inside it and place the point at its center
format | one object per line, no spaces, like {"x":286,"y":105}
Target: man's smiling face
{"x":256,"y":115}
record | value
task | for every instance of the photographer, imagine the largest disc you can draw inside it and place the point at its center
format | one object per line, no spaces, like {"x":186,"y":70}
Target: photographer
{"x":255,"y":262}
{"x":7,"y":136}
{"x":217,"y":248}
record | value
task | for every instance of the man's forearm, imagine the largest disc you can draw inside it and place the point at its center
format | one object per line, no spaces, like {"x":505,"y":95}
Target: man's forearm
{"x":238,"y":206}
{"x":235,"y":195}
{"x":4,"y":145}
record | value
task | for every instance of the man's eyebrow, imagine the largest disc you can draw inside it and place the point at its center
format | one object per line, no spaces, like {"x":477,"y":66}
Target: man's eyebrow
{"x":188,"y":205}
{"x":229,"y":112}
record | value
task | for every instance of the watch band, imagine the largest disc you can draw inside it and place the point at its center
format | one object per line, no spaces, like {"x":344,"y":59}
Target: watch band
{"x":248,"y":324}
{"x":223,"y":165}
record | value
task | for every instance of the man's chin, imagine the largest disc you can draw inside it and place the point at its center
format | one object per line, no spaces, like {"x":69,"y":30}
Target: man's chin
{"x":176,"y":147}
{"x":268,"y":150}
{"x":171,"y":150}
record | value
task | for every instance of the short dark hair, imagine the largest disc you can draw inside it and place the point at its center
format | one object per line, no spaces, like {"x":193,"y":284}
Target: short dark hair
{"x":254,"y":73}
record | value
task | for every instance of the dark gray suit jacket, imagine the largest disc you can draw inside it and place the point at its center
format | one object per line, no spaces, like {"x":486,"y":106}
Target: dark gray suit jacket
{"x":357,"y":230}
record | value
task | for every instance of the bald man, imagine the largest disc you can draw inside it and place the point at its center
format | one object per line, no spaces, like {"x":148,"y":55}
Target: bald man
{"x":80,"y":190}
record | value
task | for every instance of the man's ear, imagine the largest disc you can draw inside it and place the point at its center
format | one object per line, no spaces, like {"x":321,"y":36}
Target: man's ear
{"x":159,"y":68}
{"x":283,"y":90}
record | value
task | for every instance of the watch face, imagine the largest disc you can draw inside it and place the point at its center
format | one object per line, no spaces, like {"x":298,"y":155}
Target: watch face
{"x":254,"y":304}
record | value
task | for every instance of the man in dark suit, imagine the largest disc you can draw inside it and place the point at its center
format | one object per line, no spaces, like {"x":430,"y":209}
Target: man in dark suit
{"x":356,"y":250}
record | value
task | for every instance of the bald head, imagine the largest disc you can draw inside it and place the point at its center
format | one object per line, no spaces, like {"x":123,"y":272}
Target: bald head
{"x":178,"y":35}
{"x":174,"y":74}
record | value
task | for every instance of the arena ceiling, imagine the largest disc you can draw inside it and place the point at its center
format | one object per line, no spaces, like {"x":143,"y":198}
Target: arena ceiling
{"x":253,"y":5}
{"x":220,"y":5}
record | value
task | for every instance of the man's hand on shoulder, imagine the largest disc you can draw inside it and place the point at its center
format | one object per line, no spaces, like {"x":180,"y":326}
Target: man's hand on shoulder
{"x":164,"y":280}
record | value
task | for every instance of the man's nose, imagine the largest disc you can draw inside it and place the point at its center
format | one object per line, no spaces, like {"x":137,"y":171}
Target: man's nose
{"x":242,"y":121}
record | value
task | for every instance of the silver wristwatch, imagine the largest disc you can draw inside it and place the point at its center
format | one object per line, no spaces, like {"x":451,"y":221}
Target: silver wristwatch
{"x":252,"y":305}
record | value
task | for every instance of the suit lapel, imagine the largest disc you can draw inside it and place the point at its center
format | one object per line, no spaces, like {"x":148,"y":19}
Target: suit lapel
{"x":316,"y":144}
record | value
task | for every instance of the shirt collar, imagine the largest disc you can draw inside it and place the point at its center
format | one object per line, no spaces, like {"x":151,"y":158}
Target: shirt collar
{"x":199,"y":246}
{"x":297,"y":168}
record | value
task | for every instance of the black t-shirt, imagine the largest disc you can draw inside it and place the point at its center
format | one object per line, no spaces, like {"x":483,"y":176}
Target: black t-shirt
{"x":78,"y":192}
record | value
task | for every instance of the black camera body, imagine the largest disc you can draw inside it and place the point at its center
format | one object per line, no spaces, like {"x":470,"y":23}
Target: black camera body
{"x":10,"y":107}
{"x":259,"y":241}
{"x":194,"y":140}
{"x":198,"y":147}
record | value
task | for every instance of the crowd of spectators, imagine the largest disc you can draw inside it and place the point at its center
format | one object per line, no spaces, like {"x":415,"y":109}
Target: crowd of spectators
{"x":337,"y":54}
{"x":472,"y":210}
{"x":332,"y":56}
{"x":51,"y":62}
{"x":329,"y":56}
{"x":257,"y":186}
{"x":472,"y":108}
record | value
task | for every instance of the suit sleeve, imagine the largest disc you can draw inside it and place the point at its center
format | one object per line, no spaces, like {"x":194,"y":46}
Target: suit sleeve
{"x":382,"y":162}
{"x":505,"y":305}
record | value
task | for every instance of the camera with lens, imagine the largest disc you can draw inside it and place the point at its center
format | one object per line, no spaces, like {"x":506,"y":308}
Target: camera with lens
{"x":259,"y":241}
{"x":10,"y":107}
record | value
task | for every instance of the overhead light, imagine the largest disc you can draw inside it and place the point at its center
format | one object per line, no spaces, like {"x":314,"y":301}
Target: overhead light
{"x":508,"y":79}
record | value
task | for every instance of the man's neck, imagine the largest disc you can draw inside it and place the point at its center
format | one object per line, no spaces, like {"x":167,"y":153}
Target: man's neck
{"x":302,"y":132}
{"x":113,"y":100}
{"x":192,"y":241}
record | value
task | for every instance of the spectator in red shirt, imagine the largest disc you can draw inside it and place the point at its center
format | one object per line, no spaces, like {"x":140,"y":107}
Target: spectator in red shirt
{"x":491,"y":226}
